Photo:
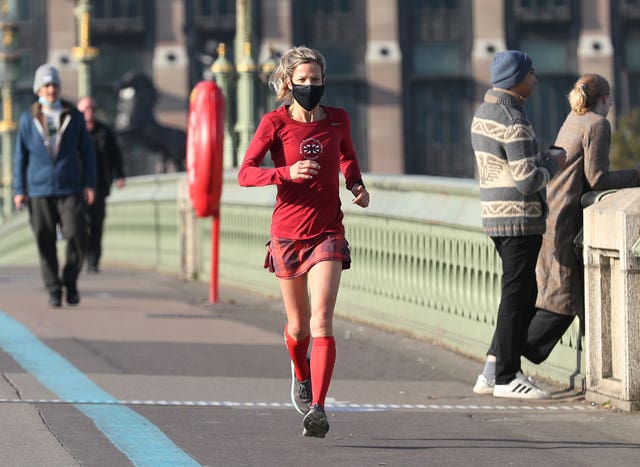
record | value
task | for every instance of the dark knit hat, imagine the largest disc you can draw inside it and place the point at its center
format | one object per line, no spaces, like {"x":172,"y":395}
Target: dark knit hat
{"x":509,"y":68}
{"x":45,"y":74}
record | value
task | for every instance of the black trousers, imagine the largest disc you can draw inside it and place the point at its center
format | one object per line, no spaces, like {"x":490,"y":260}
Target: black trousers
{"x":96,"y":214}
{"x":545,"y":331}
{"x":517,"y":302}
{"x":69,"y":212}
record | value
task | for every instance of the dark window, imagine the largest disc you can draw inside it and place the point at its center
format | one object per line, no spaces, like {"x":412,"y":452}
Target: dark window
{"x":629,"y":9}
{"x":123,"y":31}
{"x":126,"y":16}
{"x":31,"y":34}
{"x":209,"y":23}
{"x":436,"y":46}
{"x":551,"y":40}
{"x":542,"y":10}
{"x":215,"y":14}
{"x":105,"y":9}
{"x":439,"y":136}
{"x":26,"y":10}
{"x":548,"y":107}
{"x":625,"y":27}
{"x":337,"y":29}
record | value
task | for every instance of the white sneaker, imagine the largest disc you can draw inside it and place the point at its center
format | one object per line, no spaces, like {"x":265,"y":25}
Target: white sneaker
{"x":483,"y":385}
{"x":520,"y":388}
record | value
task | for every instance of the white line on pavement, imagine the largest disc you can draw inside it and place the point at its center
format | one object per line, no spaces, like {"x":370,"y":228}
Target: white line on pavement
{"x":339,"y":407}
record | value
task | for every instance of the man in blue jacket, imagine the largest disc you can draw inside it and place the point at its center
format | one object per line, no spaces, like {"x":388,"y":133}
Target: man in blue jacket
{"x":54,"y":175}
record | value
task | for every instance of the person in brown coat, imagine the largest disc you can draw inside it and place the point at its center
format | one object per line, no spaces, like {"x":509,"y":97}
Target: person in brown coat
{"x":586,"y":138}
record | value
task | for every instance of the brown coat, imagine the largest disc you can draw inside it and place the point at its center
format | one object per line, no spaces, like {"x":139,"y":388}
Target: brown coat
{"x":586,"y":139}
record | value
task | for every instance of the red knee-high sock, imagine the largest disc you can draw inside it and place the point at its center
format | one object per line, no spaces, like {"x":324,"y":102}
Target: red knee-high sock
{"x":298,"y":353}
{"x":323,"y":357}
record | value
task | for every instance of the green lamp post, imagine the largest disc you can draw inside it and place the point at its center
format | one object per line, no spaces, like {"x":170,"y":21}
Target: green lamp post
{"x":8,"y":75}
{"x":266,"y":69}
{"x":223,"y":73}
{"x":247,"y":71}
{"x":84,"y":53}
{"x":245,"y":126}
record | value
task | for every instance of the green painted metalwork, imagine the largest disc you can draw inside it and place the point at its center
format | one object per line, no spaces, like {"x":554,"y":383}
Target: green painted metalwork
{"x":223,"y":72}
{"x":246,"y":90}
{"x":421,"y":263}
{"x":142,"y":224}
{"x":18,"y":245}
{"x":84,"y":53}
{"x":9,"y":57}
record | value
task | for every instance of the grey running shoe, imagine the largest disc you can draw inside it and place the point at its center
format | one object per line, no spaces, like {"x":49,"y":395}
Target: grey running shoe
{"x":315,"y":423}
{"x":300,"y":393}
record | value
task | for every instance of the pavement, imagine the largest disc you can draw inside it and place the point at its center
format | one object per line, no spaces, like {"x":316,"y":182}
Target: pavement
{"x":146,"y":372}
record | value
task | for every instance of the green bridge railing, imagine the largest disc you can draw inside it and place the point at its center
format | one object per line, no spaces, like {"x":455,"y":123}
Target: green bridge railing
{"x":421,"y":263}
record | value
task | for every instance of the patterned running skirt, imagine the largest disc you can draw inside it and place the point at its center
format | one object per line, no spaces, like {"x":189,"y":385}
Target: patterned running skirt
{"x":291,"y":258}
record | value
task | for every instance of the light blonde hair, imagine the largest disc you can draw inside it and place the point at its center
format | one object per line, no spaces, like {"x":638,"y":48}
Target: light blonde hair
{"x":586,"y":92}
{"x":288,"y":63}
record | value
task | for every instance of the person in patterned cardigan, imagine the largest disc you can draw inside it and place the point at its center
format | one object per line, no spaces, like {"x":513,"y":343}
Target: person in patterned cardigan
{"x":513,"y":175}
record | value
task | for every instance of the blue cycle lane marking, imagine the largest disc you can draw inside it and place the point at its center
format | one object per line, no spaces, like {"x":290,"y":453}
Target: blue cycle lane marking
{"x":139,"y":439}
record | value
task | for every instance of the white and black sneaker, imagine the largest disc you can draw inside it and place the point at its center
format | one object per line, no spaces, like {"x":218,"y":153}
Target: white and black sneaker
{"x":315,"y":423}
{"x":520,"y":388}
{"x":300,"y":393}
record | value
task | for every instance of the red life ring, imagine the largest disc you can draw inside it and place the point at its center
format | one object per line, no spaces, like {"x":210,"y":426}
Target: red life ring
{"x":205,"y":138}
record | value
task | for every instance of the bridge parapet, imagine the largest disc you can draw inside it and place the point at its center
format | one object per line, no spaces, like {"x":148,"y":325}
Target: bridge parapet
{"x":421,"y":262}
{"x":612,"y":299}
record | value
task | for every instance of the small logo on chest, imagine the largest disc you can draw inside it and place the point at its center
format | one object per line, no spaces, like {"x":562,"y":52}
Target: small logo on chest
{"x":310,"y":149}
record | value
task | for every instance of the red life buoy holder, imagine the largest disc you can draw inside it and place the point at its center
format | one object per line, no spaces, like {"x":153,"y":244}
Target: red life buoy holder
{"x":205,"y":147}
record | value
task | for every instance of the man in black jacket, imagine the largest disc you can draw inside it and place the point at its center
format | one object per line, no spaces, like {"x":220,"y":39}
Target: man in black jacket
{"x":109,"y":168}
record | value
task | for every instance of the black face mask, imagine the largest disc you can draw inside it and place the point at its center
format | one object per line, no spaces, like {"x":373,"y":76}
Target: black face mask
{"x":307,"y":96}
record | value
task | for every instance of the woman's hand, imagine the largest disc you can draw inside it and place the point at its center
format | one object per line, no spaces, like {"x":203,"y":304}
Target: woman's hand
{"x":361,"y":195}
{"x":304,"y":169}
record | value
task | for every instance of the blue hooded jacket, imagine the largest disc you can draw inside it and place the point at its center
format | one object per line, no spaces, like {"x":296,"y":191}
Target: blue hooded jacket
{"x":67,"y":169}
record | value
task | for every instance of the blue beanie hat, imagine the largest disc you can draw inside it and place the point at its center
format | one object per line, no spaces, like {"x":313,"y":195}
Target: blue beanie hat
{"x":509,"y":68}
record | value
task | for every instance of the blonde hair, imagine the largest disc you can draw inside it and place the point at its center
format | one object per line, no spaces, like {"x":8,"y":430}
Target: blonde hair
{"x":586,"y":92}
{"x":288,"y":63}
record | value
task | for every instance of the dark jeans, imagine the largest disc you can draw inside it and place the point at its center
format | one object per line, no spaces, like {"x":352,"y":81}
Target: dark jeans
{"x":544,"y":332}
{"x":96,"y":214}
{"x":69,"y":212}
{"x":517,"y":302}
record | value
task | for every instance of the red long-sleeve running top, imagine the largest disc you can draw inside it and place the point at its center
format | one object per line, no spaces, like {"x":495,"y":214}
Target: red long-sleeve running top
{"x":304,"y":208}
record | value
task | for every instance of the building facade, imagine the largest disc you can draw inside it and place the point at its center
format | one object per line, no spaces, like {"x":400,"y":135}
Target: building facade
{"x":410,"y":72}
